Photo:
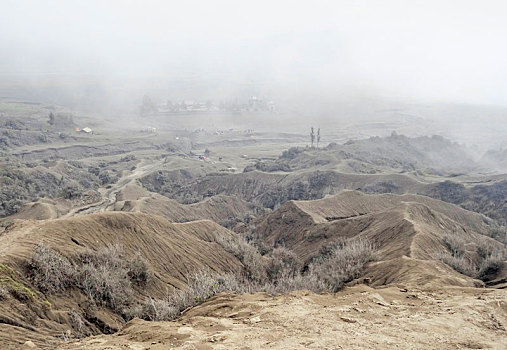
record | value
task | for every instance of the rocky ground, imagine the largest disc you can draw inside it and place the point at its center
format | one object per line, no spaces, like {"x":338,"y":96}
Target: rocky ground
{"x":358,"y":317}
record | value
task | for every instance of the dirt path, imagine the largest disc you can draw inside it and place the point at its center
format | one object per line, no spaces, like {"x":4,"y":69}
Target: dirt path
{"x":109,"y":194}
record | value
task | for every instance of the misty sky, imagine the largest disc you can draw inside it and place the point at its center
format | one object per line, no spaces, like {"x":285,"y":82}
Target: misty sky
{"x":451,"y":51}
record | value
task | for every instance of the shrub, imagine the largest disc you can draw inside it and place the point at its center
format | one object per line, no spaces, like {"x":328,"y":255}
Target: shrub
{"x":343,"y":263}
{"x":282,"y":262}
{"x":253,"y":262}
{"x":138,"y":271}
{"x":461,"y":264}
{"x":489,"y":267}
{"x":106,"y":275}
{"x":201,"y":286}
{"x":158,"y":310}
{"x":287,"y":283}
{"x":50,"y":271}
{"x":105,"y":284}
{"x":456,"y":244}
{"x":76,"y":322}
{"x":485,"y":267}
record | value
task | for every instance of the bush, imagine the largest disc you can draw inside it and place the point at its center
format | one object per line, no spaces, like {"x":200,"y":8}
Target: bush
{"x":456,"y":244}
{"x":106,"y":275}
{"x":282,"y":262}
{"x":486,"y":265}
{"x":461,"y":264}
{"x":253,"y":262}
{"x":49,"y":270}
{"x":138,"y":271}
{"x":76,"y":322}
{"x":158,"y":310}
{"x":287,"y":282}
{"x":343,"y":264}
{"x":107,"y":285}
{"x":201,"y":286}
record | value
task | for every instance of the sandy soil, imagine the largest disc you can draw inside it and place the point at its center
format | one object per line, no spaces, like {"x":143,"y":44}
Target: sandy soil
{"x":356,"y":318}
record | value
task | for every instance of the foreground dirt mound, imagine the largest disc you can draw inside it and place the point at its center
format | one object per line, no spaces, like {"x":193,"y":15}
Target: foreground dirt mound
{"x":355,"y":318}
{"x":171,"y":250}
{"x":407,"y":230}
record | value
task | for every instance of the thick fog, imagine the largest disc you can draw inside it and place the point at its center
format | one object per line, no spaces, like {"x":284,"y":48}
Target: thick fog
{"x":326,"y":51}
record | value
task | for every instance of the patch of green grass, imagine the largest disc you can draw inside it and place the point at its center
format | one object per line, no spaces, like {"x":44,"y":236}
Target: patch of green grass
{"x":10,"y":280}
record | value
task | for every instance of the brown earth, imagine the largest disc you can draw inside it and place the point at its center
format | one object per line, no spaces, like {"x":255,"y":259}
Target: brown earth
{"x":407,"y":230}
{"x":358,"y":317}
{"x":171,"y":250}
{"x":217,"y":208}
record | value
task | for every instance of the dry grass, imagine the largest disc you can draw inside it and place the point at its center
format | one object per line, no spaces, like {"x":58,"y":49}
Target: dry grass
{"x":201,"y":286}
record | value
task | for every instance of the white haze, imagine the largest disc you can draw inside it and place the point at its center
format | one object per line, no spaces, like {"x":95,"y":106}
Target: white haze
{"x":441,"y":50}
{"x":320,"y":58}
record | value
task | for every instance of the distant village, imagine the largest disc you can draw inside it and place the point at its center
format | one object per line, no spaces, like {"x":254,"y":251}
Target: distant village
{"x":252,"y":104}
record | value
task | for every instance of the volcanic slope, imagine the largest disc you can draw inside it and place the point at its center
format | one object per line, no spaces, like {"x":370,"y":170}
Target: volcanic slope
{"x":407,"y":230}
{"x":220,"y":208}
{"x":273,"y":189}
{"x":171,"y":250}
{"x":225,"y":210}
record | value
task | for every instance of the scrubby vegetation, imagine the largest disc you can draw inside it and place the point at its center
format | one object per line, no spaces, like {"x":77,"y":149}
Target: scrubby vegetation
{"x":342,"y":263}
{"x":50,"y":271}
{"x":112,"y":279}
{"x":280,"y":270}
{"x":106,"y":275}
{"x":24,"y":182}
{"x":486,"y":199}
{"x":478,"y":258}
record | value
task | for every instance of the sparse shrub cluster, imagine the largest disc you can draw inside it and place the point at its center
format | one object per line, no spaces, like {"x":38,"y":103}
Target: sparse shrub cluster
{"x":106,"y":275}
{"x":77,"y":323}
{"x":201,"y":286}
{"x":269,"y":166}
{"x":477,"y":258}
{"x":254,"y":263}
{"x":280,"y":270}
{"x":110,"y":278}
{"x":343,"y":263}
{"x":486,"y":199}
{"x":21,"y":183}
{"x":292,"y":153}
{"x":50,"y":271}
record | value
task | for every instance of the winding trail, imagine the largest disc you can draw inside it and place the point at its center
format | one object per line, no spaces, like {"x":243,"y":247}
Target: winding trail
{"x":109,"y":194}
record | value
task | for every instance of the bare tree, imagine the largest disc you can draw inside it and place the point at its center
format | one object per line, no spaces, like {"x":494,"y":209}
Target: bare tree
{"x":318,"y":137}
{"x":312,"y":135}
{"x":51,"y":120}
